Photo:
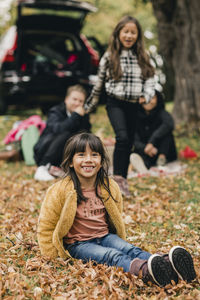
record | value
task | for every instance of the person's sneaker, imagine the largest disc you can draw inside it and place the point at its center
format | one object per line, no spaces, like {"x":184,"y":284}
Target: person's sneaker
{"x":56,"y":171}
{"x":157,"y":270}
{"x":161,"y":161}
{"x":182,"y":263}
{"x":42,"y":174}
{"x":123,"y":185}
{"x":174,"y":275}
{"x":138,"y":163}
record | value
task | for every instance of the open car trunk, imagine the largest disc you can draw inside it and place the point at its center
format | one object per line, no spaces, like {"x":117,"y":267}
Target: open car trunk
{"x":44,"y":53}
{"x":48,"y":35}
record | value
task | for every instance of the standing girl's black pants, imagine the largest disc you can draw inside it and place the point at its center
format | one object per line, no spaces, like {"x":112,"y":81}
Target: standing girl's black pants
{"x":122,"y":115}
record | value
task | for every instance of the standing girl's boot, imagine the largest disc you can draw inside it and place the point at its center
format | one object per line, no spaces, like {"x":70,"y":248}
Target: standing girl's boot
{"x":123,"y":185}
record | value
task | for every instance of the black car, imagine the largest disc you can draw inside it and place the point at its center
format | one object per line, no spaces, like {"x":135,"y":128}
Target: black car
{"x":44,"y":53}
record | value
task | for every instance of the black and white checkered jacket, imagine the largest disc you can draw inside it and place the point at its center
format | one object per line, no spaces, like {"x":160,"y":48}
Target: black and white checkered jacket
{"x":130,"y":87}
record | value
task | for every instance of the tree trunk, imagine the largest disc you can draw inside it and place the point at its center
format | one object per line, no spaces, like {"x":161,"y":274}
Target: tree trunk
{"x":179,"y":35}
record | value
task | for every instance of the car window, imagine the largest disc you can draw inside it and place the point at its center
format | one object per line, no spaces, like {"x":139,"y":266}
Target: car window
{"x":50,"y":51}
{"x":69,"y":45}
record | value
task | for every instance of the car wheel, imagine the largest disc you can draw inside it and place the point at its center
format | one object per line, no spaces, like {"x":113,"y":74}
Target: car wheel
{"x":3,"y":106}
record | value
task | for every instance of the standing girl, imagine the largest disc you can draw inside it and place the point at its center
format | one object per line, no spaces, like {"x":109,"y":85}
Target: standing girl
{"x":128,"y":77}
{"x":81,"y":218}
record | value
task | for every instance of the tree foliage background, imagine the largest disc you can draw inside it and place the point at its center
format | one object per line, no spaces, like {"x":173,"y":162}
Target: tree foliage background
{"x":109,"y":12}
{"x":99,"y":24}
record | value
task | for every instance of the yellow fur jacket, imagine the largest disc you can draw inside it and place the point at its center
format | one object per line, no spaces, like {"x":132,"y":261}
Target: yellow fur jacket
{"x":58,"y":211}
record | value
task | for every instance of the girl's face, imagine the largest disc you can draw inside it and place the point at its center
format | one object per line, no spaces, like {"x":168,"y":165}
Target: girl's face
{"x":128,"y":35}
{"x":86,"y":164}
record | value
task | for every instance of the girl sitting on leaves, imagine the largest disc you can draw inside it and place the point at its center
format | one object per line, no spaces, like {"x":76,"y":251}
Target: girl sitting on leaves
{"x":81,"y":217}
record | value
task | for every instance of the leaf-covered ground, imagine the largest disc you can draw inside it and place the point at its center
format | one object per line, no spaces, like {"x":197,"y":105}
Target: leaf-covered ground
{"x":162,"y":212}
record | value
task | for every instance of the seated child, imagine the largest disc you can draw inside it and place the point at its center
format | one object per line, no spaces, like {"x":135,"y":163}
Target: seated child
{"x":81,"y":217}
{"x":154,"y":140}
{"x":64,"y":120}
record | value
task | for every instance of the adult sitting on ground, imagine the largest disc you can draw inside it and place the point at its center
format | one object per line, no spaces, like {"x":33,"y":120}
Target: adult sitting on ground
{"x":64,"y":120}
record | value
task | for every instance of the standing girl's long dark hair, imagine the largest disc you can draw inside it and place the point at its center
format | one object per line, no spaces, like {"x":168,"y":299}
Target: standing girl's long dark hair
{"x":78,"y":143}
{"x":115,"y":48}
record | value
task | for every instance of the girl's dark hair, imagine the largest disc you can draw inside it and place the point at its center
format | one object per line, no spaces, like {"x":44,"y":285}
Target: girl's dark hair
{"x":78,"y":143}
{"x":115,"y":48}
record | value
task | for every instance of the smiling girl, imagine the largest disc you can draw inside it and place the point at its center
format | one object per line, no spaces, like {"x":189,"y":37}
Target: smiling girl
{"x":81,"y":217}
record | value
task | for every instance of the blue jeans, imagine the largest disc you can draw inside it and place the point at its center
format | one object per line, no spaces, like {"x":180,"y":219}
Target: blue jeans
{"x":110,"y":250}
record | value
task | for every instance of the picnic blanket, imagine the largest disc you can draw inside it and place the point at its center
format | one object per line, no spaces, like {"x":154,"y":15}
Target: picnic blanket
{"x":15,"y":134}
{"x":170,"y":169}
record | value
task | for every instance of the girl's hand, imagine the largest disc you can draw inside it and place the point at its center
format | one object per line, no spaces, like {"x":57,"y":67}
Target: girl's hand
{"x":80,"y":110}
{"x":142,"y":100}
{"x":86,"y":109}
